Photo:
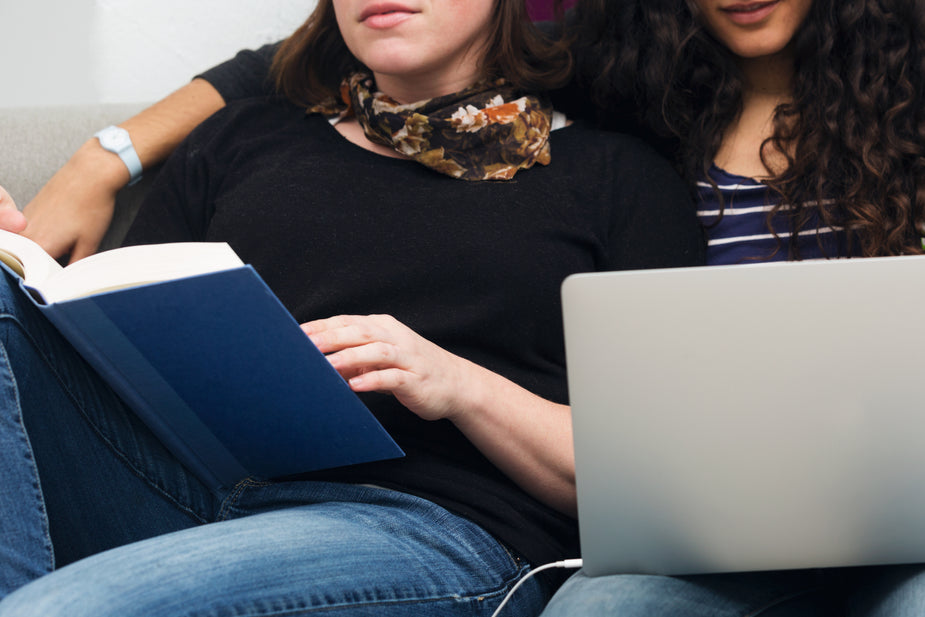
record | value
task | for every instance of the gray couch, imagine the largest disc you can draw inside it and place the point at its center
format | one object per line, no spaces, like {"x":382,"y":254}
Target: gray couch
{"x":35,"y":142}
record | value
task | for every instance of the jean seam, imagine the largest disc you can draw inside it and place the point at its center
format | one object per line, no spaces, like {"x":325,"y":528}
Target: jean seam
{"x":114,"y":448}
{"x":349,"y":606}
{"x":352,"y":606}
{"x":234,"y":496}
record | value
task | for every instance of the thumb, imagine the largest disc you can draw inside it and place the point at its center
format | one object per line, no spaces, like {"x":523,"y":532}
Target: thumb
{"x":11,"y":219}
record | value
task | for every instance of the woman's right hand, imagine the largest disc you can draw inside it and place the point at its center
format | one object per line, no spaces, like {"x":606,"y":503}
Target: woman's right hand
{"x":11,"y":219}
{"x":70,"y":214}
{"x":527,"y":437}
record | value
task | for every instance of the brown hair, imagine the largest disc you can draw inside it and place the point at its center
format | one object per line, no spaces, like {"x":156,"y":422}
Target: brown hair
{"x":310,"y":65}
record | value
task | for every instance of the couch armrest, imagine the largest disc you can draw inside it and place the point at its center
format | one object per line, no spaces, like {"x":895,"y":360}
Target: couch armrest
{"x":37,"y":141}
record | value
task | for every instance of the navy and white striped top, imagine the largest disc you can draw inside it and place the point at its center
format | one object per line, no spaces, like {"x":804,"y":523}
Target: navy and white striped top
{"x":743,"y":236}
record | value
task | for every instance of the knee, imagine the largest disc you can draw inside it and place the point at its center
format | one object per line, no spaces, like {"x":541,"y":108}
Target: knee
{"x":34,"y":600}
{"x":103,"y":585}
{"x":55,"y":595}
{"x":890,"y":591}
{"x":634,"y":596}
{"x":583,"y":595}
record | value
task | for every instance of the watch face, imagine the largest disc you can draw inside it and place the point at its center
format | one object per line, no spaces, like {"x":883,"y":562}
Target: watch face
{"x":114,"y":139}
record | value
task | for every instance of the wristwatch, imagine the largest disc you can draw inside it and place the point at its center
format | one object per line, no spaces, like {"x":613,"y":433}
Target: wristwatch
{"x":116,"y":139}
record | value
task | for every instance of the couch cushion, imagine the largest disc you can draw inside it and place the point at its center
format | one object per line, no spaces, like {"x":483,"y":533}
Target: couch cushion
{"x":36,"y":141}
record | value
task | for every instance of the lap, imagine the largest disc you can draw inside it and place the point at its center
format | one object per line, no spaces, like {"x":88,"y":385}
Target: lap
{"x":104,"y":479}
{"x":727,"y":595}
{"x":887,"y":591}
{"x":880,"y":591}
{"x":145,"y":540}
{"x":367,"y":552}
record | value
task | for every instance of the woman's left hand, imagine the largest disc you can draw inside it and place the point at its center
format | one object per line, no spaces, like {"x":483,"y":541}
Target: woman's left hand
{"x":379,"y":353}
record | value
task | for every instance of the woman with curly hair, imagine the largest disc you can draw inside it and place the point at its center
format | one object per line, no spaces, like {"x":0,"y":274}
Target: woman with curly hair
{"x":814,"y":108}
{"x":801,"y":124}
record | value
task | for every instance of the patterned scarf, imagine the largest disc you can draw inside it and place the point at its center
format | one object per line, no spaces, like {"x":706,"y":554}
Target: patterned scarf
{"x":485,"y":132}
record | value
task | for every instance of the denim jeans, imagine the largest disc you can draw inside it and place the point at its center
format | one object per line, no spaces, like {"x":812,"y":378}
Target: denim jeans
{"x":881,"y":591}
{"x":97,"y":518}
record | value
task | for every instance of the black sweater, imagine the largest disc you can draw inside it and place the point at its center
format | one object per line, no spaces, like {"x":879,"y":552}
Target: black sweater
{"x":473,"y":266}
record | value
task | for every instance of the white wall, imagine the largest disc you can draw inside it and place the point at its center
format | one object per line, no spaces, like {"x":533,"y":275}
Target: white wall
{"x":125,"y":51}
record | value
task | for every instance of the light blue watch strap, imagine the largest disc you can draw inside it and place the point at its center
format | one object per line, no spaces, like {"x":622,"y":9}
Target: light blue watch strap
{"x":117,"y":140}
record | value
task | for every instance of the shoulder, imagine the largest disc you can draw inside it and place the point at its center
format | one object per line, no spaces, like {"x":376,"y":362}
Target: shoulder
{"x":641,"y":195}
{"x":622,"y":155}
{"x":247,"y":119}
{"x":244,"y":75}
{"x":245,"y":113}
{"x":583,"y":131}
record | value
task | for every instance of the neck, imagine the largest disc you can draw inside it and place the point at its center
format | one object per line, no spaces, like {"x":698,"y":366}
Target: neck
{"x":768,"y":76}
{"x":767,"y":84}
{"x":406,"y":90}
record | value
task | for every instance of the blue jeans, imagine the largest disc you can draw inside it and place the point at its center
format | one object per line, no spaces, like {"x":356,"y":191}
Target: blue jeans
{"x":97,"y":518}
{"x":884,"y":591}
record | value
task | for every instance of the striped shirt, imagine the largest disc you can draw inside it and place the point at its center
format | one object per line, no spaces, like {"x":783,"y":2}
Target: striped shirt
{"x":743,"y":235}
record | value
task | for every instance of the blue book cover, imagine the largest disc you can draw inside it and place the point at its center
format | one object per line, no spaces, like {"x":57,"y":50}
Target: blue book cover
{"x":222,"y":373}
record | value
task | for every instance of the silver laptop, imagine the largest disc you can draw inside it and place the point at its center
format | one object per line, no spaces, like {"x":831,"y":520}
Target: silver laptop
{"x":749,"y":417}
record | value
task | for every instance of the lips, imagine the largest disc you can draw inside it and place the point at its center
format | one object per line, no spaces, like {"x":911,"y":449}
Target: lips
{"x":745,"y":13}
{"x":749,"y":7}
{"x":385,"y":14}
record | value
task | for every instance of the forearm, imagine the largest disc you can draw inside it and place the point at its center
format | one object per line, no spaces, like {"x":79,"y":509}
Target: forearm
{"x":527,"y":437}
{"x":71,"y":213}
{"x":158,"y":129}
{"x":155,"y":132}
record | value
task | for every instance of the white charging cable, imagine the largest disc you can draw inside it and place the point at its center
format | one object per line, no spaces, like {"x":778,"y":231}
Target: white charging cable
{"x":566,"y":563}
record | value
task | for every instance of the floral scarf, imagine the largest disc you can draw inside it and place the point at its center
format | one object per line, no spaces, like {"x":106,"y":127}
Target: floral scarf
{"x":485,"y":132}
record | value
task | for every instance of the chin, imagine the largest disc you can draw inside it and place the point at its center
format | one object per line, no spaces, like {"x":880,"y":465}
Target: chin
{"x":392,"y":69}
{"x":757,"y":49}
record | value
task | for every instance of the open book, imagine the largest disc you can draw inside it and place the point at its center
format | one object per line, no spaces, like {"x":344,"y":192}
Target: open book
{"x":201,"y":349}
{"x":123,"y":267}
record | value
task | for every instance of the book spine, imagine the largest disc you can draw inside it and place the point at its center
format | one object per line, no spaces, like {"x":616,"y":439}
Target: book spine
{"x":104,"y":347}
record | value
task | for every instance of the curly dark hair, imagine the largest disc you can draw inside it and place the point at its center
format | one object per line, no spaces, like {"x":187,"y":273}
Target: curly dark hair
{"x":853,"y":135}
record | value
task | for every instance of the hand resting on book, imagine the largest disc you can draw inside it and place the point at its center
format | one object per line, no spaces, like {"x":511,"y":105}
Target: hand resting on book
{"x":377,"y":353}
